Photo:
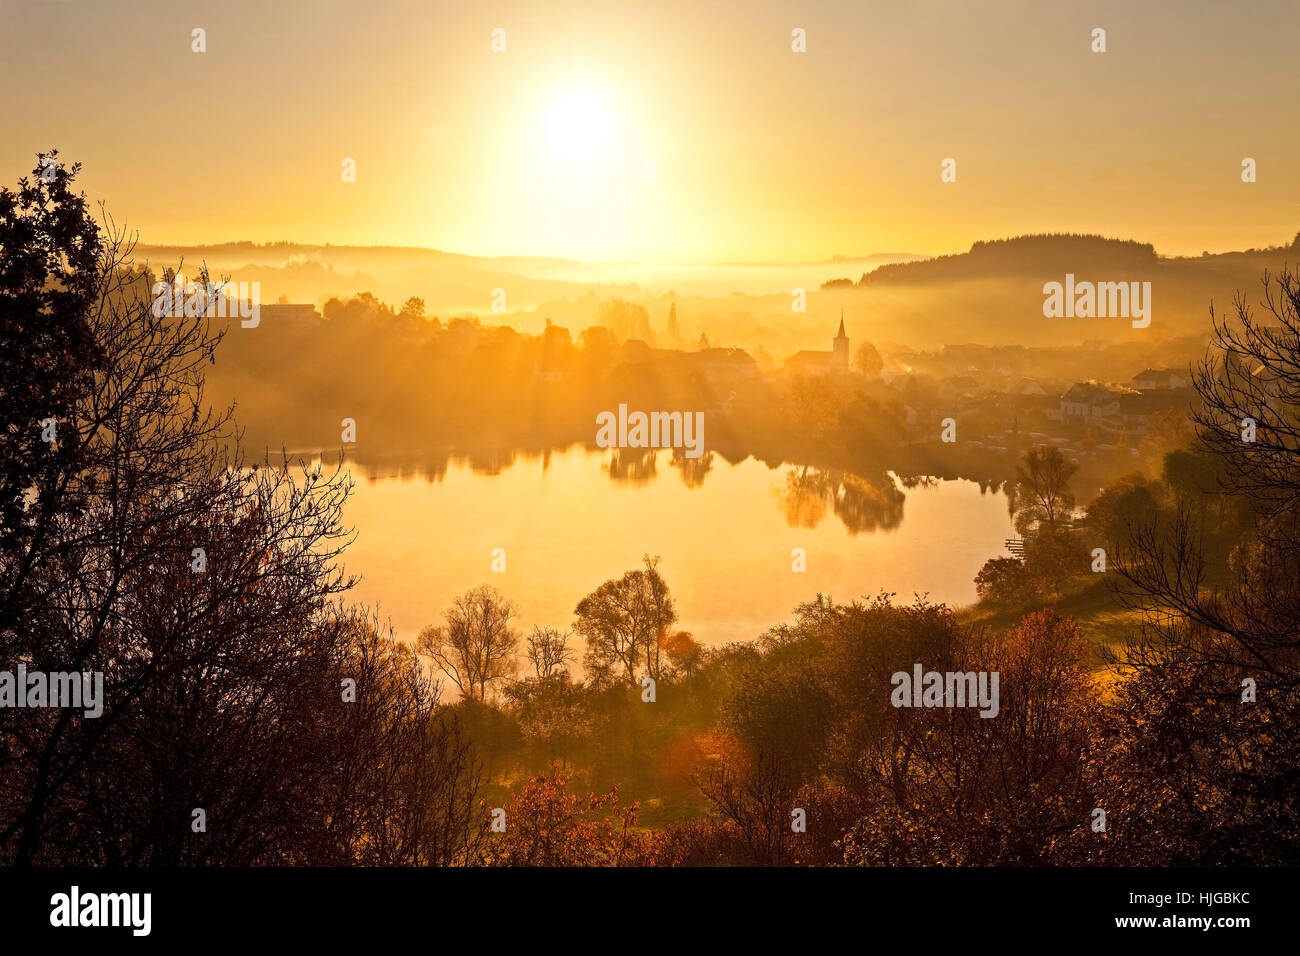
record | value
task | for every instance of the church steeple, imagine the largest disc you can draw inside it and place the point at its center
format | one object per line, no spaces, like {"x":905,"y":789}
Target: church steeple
{"x":840,"y":346}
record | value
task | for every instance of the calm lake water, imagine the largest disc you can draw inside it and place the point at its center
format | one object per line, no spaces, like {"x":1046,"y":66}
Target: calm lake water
{"x":570,"y":520}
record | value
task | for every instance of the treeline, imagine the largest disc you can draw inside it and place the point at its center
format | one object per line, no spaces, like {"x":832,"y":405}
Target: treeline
{"x":1037,"y":254}
{"x":426,"y":389}
{"x":251,"y":716}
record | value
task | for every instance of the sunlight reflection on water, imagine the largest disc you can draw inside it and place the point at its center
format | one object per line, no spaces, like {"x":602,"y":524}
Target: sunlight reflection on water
{"x":572,"y":519}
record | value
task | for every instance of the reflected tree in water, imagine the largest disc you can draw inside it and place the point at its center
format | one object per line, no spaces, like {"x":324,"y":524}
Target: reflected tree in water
{"x":636,"y":466}
{"x":693,"y":470}
{"x":860,"y":504}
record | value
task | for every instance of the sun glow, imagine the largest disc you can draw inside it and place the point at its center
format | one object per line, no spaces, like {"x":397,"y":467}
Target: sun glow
{"x":570,"y":172}
{"x":579,"y":126}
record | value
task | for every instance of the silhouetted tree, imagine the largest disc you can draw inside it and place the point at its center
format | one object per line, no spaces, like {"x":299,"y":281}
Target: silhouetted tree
{"x":867,"y":360}
{"x":548,"y":651}
{"x":213,"y":661}
{"x":1213,"y":697}
{"x":475,"y":646}
{"x":755,"y":792}
{"x":624,"y":622}
{"x":1043,"y":490}
{"x":402,"y":783}
{"x":50,"y":279}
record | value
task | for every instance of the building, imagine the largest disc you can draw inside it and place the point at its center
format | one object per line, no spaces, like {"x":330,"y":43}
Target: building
{"x":1027,"y":387}
{"x":1153,"y":379}
{"x":1084,"y":401}
{"x":726,"y":365}
{"x":289,"y":315}
{"x":834,"y":362}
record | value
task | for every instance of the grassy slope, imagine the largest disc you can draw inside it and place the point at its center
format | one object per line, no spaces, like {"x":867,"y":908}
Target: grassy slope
{"x":1103,"y":622}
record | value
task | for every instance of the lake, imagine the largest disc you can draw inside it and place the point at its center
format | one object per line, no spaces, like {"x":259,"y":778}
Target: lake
{"x":569,"y":520}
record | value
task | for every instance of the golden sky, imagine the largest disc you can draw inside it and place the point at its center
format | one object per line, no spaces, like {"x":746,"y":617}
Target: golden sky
{"x":759,"y":153}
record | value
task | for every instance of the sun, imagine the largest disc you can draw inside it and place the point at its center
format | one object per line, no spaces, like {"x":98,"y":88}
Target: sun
{"x":579,"y":126}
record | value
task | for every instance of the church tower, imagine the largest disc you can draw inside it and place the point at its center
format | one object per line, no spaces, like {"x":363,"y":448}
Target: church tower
{"x":840,"y":347}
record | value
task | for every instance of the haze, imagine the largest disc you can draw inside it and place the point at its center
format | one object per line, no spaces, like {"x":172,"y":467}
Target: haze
{"x":760,"y":154}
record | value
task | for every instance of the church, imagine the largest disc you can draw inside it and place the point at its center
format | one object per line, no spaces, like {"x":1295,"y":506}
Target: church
{"x":834,"y":362}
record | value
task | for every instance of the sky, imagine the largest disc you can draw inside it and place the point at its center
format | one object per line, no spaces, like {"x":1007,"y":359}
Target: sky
{"x":756,"y":153}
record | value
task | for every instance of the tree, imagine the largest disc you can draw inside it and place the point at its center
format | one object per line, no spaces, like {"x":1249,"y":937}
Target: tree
{"x":684,"y":652}
{"x":1221,"y":764}
{"x":946,"y":786}
{"x":1252,"y":370}
{"x":624,"y":623}
{"x":674,"y":330}
{"x":50,"y":278}
{"x":1123,"y":506}
{"x":1043,"y":490}
{"x":1053,"y":559}
{"x":1248,"y":621}
{"x":402,"y":784}
{"x":141,"y":547}
{"x":547,"y":825}
{"x":548,"y":651}
{"x":754,"y":792}
{"x":1189,"y":775}
{"x":475,"y":646}
{"x":1001,"y":581}
{"x":624,"y":319}
{"x":813,"y":405}
{"x":553,"y":714}
{"x":867,"y":361}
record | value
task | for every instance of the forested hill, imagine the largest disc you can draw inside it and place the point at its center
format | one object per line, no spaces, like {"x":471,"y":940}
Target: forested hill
{"x":1058,"y":253}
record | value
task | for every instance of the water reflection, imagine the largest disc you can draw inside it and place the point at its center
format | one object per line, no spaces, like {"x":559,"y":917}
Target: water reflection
{"x":428,"y":527}
{"x":808,"y":495}
{"x":633,"y":465}
{"x":860,"y":504}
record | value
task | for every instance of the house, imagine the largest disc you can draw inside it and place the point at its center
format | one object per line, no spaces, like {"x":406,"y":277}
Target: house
{"x":1027,"y":386}
{"x":289,"y":315}
{"x":1134,"y":413}
{"x":1153,"y":379}
{"x":1086,"y":400}
{"x":726,"y":365}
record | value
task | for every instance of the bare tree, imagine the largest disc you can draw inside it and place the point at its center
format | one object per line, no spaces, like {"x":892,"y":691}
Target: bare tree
{"x":548,"y":651}
{"x":403,"y":784}
{"x":1252,"y":621}
{"x":146,"y":550}
{"x":475,"y":646}
{"x":1252,"y":370}
{"x":755,"y":793}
